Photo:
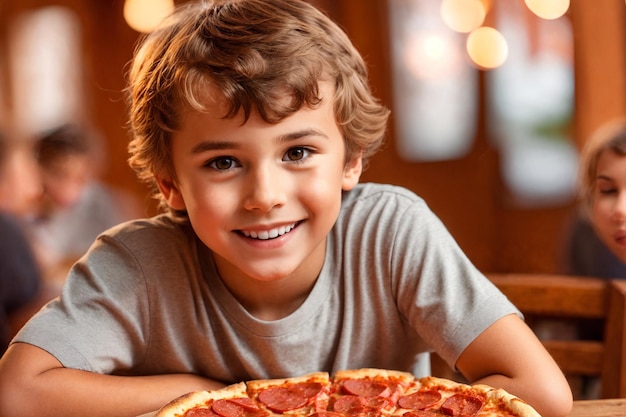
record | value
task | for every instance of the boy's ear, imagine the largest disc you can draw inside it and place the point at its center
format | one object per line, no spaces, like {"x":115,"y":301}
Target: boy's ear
{"x":352,"y":172}
{"x":172,"y":195}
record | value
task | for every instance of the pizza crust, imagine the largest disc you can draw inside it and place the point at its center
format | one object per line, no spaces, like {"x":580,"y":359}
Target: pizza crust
{"x":258,"y":384}
{"x":179,"y":406}
{"x":372,"y":373}
{"x":495,"y":400}
{"x":513,"y":403}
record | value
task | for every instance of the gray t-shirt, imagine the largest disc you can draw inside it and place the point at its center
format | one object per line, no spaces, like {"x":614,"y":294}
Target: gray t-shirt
{"x":146,"y":299}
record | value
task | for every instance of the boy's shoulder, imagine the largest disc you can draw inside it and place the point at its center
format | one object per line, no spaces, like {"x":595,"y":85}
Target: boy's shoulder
{"x":375,"y":193}
{"x":157,"y":230}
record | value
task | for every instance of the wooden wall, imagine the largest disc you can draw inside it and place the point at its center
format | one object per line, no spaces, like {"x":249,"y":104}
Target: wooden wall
{"x":467,"y":194}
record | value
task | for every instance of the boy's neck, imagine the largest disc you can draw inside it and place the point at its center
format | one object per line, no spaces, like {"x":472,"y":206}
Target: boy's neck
{"x":271,"y":300}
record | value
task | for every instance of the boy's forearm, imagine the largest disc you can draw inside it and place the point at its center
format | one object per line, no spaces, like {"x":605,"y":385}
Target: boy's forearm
{"x":68,"y":392}
{"x":536,"y":392}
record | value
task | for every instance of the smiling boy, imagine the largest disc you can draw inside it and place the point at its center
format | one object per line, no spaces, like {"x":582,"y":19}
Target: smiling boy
{"x":262,"y":196}
{"x":252,"y":120}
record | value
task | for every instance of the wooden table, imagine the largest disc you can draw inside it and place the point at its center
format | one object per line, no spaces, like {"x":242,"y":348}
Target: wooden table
{"x":599,"y":408}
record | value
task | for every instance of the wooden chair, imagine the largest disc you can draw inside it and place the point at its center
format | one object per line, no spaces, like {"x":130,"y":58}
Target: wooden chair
{"x":547,"y":296}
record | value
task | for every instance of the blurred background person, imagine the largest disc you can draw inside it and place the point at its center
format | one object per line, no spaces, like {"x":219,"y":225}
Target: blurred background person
{"x":22,"y":289}
{"x":586,"y":252}
{"x":596,"y":245}
{"x":603,"y":193}
{"x":76,"y":206}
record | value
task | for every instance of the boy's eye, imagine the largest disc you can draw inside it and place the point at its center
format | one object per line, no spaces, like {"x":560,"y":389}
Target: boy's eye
{"x":295,"y":154}
{"x":222,"y":164}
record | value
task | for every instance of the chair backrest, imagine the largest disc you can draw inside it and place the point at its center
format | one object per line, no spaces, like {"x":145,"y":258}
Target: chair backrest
{"x":548,"y":296}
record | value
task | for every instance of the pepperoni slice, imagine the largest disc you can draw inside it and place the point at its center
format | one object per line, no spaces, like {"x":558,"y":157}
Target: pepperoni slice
{"x":419,"y":400}
{"x":379,"y":403}
{"x":366,"y":388}
{"x":462,"y":405}
{"x":281,"y":399}
{"x":246,"y":403}
{"x":201,"y":412}
{"x":309,"y":389}
{"x":236,"y":407}
{"x":349,"y":404}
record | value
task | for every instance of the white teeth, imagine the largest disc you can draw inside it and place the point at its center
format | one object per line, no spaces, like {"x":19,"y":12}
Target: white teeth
{"x":269,"y":234}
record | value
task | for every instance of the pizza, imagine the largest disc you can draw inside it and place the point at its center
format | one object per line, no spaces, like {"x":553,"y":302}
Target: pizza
{"x":364,"y":392}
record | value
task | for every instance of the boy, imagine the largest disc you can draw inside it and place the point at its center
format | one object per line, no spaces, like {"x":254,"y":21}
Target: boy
{"x":253,"y":119}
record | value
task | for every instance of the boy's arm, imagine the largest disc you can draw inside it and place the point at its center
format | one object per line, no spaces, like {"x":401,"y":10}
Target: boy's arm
{"x":509,"y":355}
{"x":34,"y":383}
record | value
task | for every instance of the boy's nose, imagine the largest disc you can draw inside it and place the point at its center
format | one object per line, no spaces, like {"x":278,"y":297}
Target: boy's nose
{"x":265,"y":190}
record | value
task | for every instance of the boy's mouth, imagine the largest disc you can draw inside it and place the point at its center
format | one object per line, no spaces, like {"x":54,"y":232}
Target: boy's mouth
{"x":270,"y":233}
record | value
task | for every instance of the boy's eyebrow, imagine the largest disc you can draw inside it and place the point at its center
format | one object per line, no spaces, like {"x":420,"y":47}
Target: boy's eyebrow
{"x":302,"y":133}
{"x":221,"y":145}
{"x":213,"y":146}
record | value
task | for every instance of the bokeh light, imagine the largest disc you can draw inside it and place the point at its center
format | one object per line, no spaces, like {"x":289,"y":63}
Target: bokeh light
{"x":487,"y":47}
{"x":548,"y":9}
{"x":145,"y":15}
{"x":463,"y":15}
{"x":431,"y":55}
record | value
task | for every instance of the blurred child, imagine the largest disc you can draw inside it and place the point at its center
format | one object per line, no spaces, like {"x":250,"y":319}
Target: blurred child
{"x":603,"y":185}
{"x":76,"y":206}
{"x":252,"y":120}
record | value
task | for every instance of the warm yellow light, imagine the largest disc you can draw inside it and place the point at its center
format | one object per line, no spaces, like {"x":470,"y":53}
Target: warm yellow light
{"x":548,"y":9}
{"x":462,"y":15}
{"x":145,"y":15}
{"x":487,"y":47}
{"x":431,"y":55}
{"x":487,"y":5}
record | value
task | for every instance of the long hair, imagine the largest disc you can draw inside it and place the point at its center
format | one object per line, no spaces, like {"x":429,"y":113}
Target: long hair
{"x":610,"y":137}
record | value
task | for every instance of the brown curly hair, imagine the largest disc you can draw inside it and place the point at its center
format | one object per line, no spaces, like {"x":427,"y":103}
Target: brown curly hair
{"x":254,"y":52}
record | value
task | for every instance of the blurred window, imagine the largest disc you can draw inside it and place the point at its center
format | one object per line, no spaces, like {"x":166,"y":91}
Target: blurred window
{"x":530,"y":100}
{"x":529,"y":89}
{"x":46,"y":68}
{"x":435,"y":89}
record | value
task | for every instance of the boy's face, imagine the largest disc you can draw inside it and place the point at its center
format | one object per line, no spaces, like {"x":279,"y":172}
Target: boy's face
{"x":609,"y":202}
{"x":262,"y":196}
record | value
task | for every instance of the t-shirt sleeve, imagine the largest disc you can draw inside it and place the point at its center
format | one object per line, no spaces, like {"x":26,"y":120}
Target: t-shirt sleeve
{"x":440,"y":292}
{"x":99,"y":322}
